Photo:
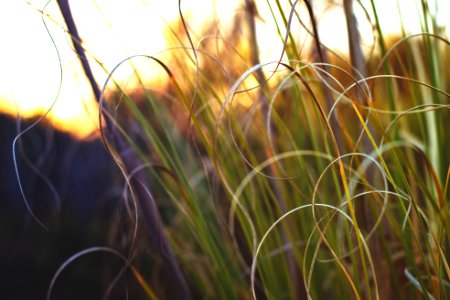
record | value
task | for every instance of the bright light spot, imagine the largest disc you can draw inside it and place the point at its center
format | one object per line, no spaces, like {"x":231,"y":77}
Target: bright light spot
{"x":111,"y":31}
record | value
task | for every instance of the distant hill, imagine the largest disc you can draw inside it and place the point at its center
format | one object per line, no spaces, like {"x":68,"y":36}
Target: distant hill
{"x":78,"y":212}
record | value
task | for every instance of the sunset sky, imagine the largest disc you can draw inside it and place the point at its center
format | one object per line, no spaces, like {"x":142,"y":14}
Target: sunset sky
{"x":30,"y":73}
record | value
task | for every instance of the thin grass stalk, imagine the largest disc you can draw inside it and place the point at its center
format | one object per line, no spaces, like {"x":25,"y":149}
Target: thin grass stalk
{"x":251,"y":13}
{"x":150,"y":212}
{"x":387,"y":69}
{"x":291,"y":51}
{"x":323,"y":58}
{"x":358,"y":64}
{"x":289,"y":46}
{"x":333,"y":125}
{"x":337,"y":136}
{"x":432,"y":117}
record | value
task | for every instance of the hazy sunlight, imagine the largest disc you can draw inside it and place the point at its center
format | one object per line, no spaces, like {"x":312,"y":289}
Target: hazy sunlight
{"x":32,"y":79}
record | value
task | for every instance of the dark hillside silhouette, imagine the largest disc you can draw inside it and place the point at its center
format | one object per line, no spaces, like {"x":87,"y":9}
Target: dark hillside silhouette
{"x":82,"y":176}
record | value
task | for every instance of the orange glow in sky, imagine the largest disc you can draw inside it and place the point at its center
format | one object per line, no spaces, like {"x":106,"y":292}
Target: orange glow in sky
{"x":30,"y":70}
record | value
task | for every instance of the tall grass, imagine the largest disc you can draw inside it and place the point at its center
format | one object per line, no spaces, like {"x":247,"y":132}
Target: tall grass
{"x":316,"y":176}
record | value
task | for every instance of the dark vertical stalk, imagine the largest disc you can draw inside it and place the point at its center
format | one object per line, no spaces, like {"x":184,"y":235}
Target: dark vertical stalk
{"x":251,"y":13}
{"x":354,"y":40}
{"x":357,"y":62}
{"x":177,"y":282}
{"x":64,"y":7}
{"x":323,"y":58}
